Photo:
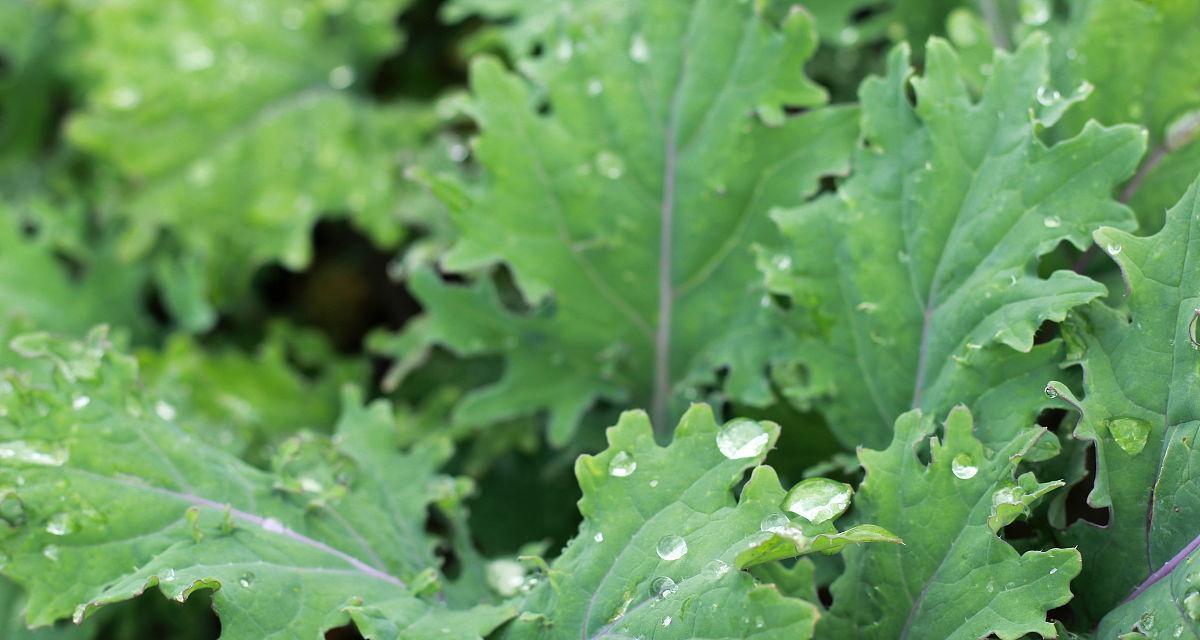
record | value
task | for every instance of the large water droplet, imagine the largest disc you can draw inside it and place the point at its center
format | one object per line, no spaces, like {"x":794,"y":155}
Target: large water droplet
{"x":818,"y":499}
{"x":622,"y":465}
{"x":1113,"y":249}
{"x":1047,"y":96}
{"x":716,"y":569}
{"x":662,"y":587}
{"x":963,"y":467}
{"x":1191,"y":604}
{"x":671,"y":547}
{"x":774,"y":523}
{"x":1130,"y":434}
{"x":742,"y":438}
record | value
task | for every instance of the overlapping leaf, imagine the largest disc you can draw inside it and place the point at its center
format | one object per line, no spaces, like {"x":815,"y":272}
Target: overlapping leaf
{"x":955,"y":578}
{"x":662,"y":541}
{"x":916,"y":286}
{"x":234,"y":126}
{"x":1140,"y":58}
{"x":1140,"y":408}
{"x":1167,"y":605}
{"x":628,"y":212}
{"x":104,"y":499}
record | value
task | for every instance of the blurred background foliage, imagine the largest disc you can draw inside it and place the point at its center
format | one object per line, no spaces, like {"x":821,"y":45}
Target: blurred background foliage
{"x":242,"y":188}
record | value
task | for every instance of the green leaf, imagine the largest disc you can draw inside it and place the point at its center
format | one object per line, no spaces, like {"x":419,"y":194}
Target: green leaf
{"x":1141,"y":369}
{"x":12,"y":628}
{"x":954,"y":578}
{"x":840,"y":21}
{"x":662,"y":539}
{"x":105,"y":499}
{"x":234,"y":127}
{"x":241,"y":401}
{"x":627,"y":214}
{"x":1140,"y":58}
{"x":1167,"y":605}
{"x":916,"y":286}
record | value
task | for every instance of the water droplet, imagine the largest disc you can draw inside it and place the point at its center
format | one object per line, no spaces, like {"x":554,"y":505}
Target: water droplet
{"x":50,"y":552}
{"x":599,"y":537}
{"x":1191,"y":604}
{"x":1048,"y":97}
{"x":22,"y":452}
{"x":271,"y":525}
{"x":1113,"y":249}
{"x":1051,"y":392}
{"x":1052,"y":222}
{"x":1146,"y":622}
{"x":742,"y":438}
{"x":662,"y":587}
{"x":774,"y":522}
{"x":1192,"y":330}
{"x":671,"y":547}
{"x":341,"y":77}
{"x":963,"y":467}
{"x":167,"y":576}
{"x":716,"y":568}
{"x":639,"y":50}
{"x":818,"y":499}
{"x":782,"y":262}
{"x":246,"y":580}
{"x":595,"y":87}
{"x":610,"y":165}
{"x":1130,"y":434}
{"x":622,"y":465}
{"x":653,"y":483}
{"x":1034,"y":12}
{"x":60,"y":524}
{"x":667,"y":621}
{"x":164,"y":410}
{"x":80,"y":402}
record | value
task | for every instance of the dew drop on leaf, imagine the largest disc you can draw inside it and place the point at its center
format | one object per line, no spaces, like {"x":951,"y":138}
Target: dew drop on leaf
{"x":1193,"y":337}
{"x":622,"y":465}
{"x":742,"y":438}
{"x":818,"y":499}
{"x":716,"y":568}
{"x":1191,"y":604}
{"x":50,"y":552}
{"x":1051,"y":392}
{"x":963,"y":467}
{"x":1052,"y":222}
{"x":662,"y":587}
{"x":610,"y":165}
{"x":26,"y":453}
{"x":774,"y":522}
{"x":246,"y":580}
{"x":60,"y":524}
{"x":1130,"y":434}
{"x":599,"y":537}
{"x":271,"y":525}
{"x":667,"y":621}
{"x":671,"y":547}
{"x":1113,"y":249}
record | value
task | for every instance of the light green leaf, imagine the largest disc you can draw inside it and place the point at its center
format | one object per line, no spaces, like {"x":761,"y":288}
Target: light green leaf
{"x":840,"y":23}
{"x":916,"y":286}
{"x":663,"y":539}
{"x":954,"y":578}
{"x":105,"y":499}
{"x":12,"y":627}
{"x":1140,"y":408}
{"x":241,"y":401}
{"x":234,"y":127}
{"x":1167,"y":605}
{"x":1141,"y":59}
{"x":627,"y":214}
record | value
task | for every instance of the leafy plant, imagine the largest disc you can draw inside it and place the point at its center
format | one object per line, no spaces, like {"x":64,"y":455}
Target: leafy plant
{"x":314,"y":315}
